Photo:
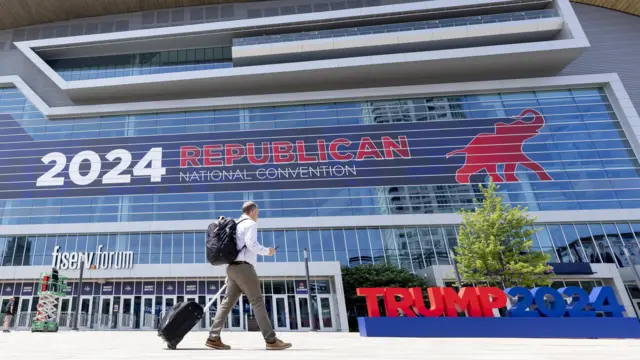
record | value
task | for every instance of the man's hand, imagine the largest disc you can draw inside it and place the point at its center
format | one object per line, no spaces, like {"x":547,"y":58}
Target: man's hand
{"x":272,"y":251}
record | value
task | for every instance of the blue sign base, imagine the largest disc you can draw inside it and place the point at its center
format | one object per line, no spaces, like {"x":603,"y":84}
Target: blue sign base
{"x":442,"y":327}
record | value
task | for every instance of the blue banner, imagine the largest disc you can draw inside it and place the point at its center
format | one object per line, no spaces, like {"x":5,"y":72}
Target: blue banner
{"x":411,"y":153}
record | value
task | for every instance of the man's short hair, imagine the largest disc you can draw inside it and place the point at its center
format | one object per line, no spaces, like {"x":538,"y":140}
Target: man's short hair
{"x":248,"y":207}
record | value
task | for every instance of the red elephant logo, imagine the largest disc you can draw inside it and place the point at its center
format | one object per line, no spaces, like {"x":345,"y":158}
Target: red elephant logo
{"x":487,"y":151}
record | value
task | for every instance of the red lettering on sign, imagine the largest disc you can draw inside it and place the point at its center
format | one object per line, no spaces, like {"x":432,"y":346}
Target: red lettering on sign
{"x":436,"y":302}
{"x":283,"y":152}
{"x":322,"y":150}
{"x":233,"y":152}
{"x":371,"y":296}
{"x":333,"y":149}
{"x":189,"y":156}
{"x":251,"y":154}
{"x":465,"y":300}
{"x":299,"y":151}
{"x":401,"y":147}
{"x":404,"y":304}
{"x":302,"y":155}
{"x":476,"y":302}
{"x":491,"y":298}
{"x":368,"y":149}
{"x":212,"y":152}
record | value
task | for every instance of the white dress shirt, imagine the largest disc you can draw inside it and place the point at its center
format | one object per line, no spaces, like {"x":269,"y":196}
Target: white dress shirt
{"x":247,"y":235}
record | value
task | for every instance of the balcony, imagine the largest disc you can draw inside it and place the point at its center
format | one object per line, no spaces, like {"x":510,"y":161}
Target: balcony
{"x":147,"y":63}
{"x":435,"y":41}
{"x":392,"y":28}
{"x":410,"y":37}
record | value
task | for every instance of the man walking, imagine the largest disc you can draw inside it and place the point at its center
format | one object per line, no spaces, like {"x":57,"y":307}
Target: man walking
{"x":8,"y":314}
{"x":242,"y":278}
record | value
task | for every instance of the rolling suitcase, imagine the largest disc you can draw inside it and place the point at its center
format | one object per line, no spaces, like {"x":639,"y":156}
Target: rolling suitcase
{"x":181,"y":319}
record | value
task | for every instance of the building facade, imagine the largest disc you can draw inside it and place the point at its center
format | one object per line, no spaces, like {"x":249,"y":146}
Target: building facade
{"x":359,"y":127}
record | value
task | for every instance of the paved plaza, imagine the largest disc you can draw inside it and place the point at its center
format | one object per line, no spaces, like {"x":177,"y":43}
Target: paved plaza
{"x":307,"y":346}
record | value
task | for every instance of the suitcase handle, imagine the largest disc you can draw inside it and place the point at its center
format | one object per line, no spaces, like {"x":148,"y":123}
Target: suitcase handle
{"x":215,"y":297}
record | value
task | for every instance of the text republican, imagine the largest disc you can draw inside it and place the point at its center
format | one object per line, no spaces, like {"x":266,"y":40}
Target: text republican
{"x":300,"y":151}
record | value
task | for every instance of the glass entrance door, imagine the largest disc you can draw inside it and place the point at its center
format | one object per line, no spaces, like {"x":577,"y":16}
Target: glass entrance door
{"x":4,"y":302}
{"x":64,"y":317}
{"x":281,"y":312}
{"x":126,"y":313}
{"x":169,"y":303}
{"x":325,"y":311}
{"x":211,"y":313}
{"x":85,"y":312}
{"x":303,"y":310}
{"x":104,"y":317}
{"x":116,"y":309}
{"x":24,"y":312}
{"x":235,"y":319}
{"x":147,"y":310}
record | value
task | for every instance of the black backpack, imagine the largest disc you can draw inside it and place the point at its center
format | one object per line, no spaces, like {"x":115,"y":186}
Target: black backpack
{"x":221,"y":245}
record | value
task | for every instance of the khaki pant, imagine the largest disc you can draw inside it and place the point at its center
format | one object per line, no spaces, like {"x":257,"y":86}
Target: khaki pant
{"x":7,"y":321}
{"x":242,"y":278}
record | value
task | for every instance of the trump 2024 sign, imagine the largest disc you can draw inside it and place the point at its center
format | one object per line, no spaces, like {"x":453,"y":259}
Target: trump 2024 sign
{"x":481,"y":301}
{"x":542,"y":312}
{"x":438,"y":152}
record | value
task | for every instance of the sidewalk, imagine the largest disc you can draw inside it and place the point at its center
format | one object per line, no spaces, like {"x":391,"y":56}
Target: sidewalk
{"x":307,"y":346}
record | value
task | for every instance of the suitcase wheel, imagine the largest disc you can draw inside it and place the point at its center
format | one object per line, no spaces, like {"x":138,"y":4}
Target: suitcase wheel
{"x":171,"y":346}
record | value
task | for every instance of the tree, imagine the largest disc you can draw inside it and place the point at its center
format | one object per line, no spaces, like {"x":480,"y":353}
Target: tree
{"x":495,"y":245}
{"x":369,"y":276}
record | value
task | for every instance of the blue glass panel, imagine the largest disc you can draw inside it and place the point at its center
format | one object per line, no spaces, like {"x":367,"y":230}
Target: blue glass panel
{"x":629,"y":241}
{"x":328,"y":250}
{"x":267,"y":240}
{"x":155,"y":249}
{"x":293,"y":251}
{"x":598,"y":234}
{"x":590,"y":247}
{"x":48,"y":250}
{"x":546,"y":243}
{"x":340,"y":246}
{"x":177,"y":249}
{"x":310,"y":239}
{"x":145,"y":249}
{"x":189,"y":248}
{"x":364,"y":244}
{"x":200,"y":248}
{"x":279,"y":241}
{"x":574,"y":243}
{"x":352,"y":242}
{"x":166,"y":248}
{"x":616,"y":243}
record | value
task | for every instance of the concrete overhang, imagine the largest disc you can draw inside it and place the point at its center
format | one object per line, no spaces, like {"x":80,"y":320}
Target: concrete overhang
{"x":391,"y":70}
{"x":459,"y":37}
{"x":534,"y":58}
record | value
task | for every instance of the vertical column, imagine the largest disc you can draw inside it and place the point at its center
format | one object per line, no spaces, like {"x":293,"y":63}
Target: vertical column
{"x":343,"y":324}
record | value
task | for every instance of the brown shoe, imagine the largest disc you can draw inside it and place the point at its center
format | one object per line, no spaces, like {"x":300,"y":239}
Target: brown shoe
{"x":278,"y":345}
{"x":216,"y":344}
